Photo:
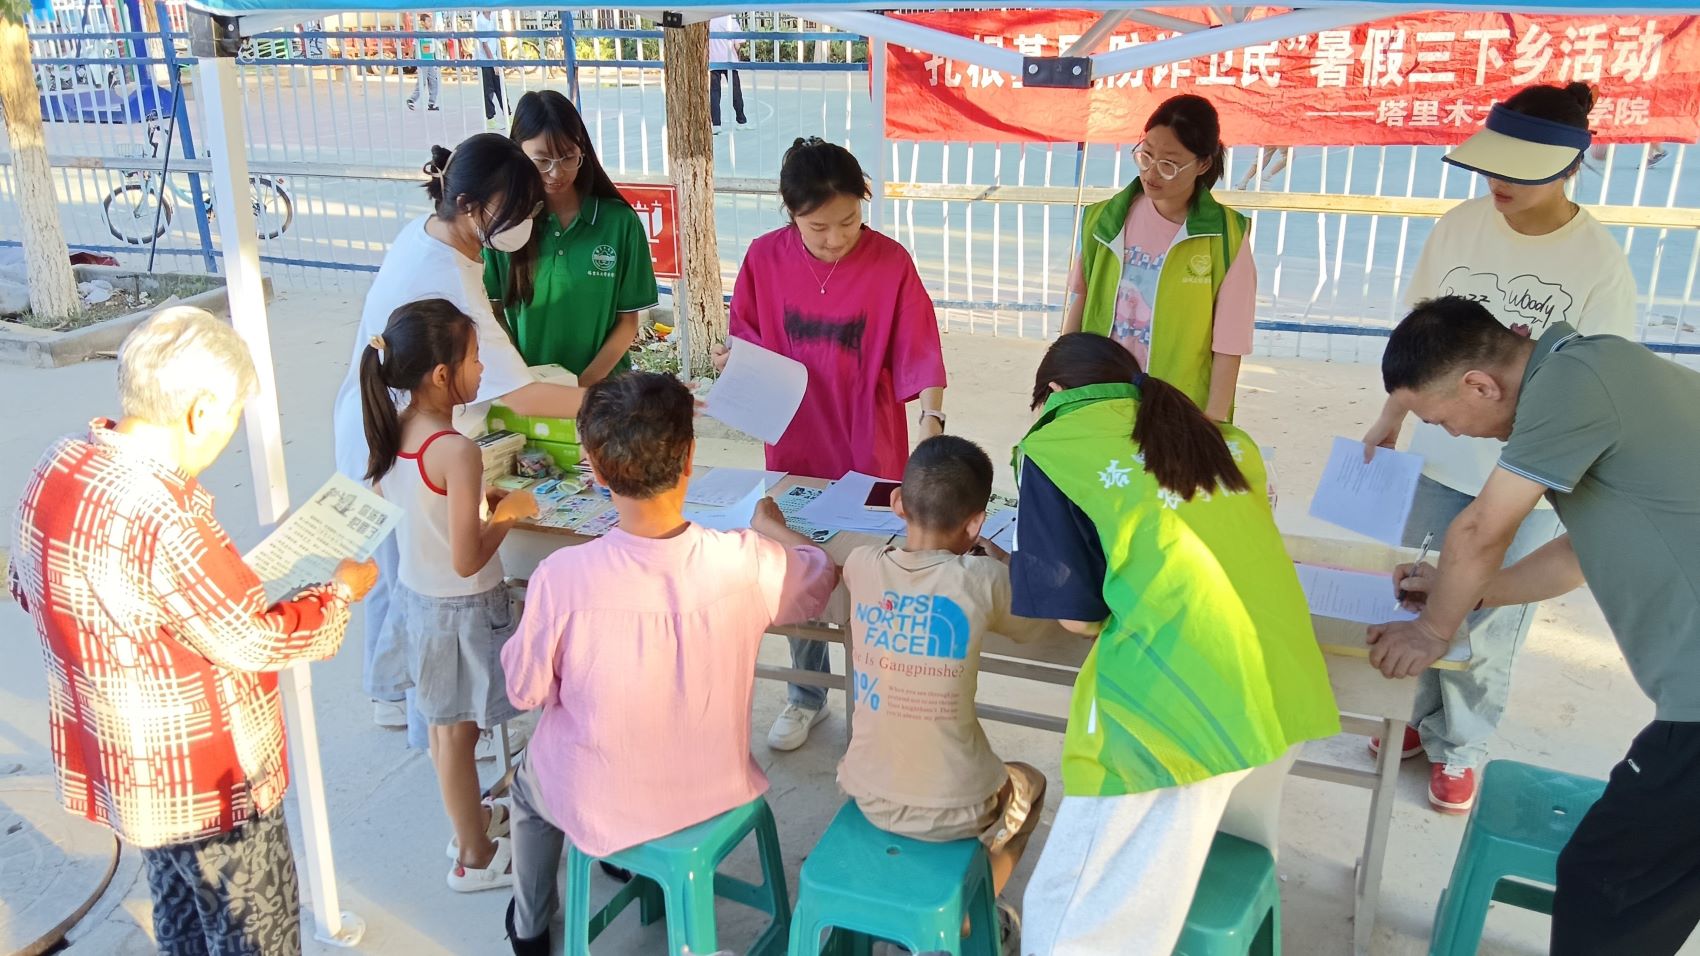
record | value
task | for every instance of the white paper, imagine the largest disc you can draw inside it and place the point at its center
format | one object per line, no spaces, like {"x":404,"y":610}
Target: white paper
{"x":843,"y":506}
{"x":342,"y":520}
{"x":791,"y":505}
{"x":1373,"y":499}
{"x":999,"y":529}
{"x":759,"y":392}
{"x":1360,"y":596}
{"x":725,"y":487}
{"x":729,"y":518}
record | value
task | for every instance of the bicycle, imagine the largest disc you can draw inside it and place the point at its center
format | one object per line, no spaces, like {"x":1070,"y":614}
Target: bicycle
{"x":138,"y":212}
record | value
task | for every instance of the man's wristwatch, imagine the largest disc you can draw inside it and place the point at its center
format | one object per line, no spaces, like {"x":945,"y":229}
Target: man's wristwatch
{"x":927,"y":413}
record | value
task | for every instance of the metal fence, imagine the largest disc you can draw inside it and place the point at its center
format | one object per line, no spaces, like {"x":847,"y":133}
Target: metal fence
{"x":336,"y":153}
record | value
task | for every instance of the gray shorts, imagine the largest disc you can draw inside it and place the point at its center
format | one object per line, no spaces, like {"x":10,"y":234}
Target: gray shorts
{"x":453,"y":648}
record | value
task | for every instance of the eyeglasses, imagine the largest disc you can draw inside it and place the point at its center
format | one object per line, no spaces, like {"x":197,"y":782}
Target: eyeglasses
{"x":1165,"y":168}
{"x":548,"y":164}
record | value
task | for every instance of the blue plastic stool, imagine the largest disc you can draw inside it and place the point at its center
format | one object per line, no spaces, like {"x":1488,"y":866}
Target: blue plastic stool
{"x":675,"y":876}
{"x":1237,"y":907}
{"x":868,"y":884}
{"x":1523,"y":817}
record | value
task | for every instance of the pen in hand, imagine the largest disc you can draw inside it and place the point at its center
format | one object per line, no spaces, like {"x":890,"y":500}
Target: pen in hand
{"x":1422,"y":555}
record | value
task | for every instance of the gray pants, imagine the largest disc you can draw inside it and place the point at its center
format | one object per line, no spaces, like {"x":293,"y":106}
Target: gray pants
{"x":430,"y":81}
{"x":537,"y":847}
{"x":229,"y":895}
{"x":809,"y":656}
{"x":1457,"y":711}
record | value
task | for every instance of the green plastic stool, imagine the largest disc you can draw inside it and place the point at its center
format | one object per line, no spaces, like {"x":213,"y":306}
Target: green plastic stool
{"x":863,"y":884}
{"x":1237,"y":907}
{"x":675,"y":877}
{"x":1524,"y":816}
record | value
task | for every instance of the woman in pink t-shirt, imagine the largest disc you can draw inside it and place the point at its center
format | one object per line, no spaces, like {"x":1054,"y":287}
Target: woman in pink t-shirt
{"x":1165,"y":269}
{"x":847,"y":302}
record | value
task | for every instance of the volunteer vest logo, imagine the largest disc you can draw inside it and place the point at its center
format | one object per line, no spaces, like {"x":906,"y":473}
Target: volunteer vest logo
{"x":1115,"y":475}
{"x":603,"y":260}
{"x":846,"y":332}
{"x":1197,"y":268}
{"x":1527,"y":303}
{"x":920,"y":625}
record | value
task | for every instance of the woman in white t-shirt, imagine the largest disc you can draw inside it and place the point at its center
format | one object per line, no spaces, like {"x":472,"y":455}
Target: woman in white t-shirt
{"x":486,"y":194}
{"x":1534,"y":258}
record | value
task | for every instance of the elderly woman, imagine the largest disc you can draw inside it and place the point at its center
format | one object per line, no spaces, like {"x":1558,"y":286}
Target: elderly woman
{"x":146,"y":613}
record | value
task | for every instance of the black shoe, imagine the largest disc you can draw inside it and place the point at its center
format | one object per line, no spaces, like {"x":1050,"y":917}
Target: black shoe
{"x":622,"y":875}
{"x":434,"y":109}
{"x":535,"y":946}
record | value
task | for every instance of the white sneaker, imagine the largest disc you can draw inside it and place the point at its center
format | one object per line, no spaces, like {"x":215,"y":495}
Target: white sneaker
{"x":389,"y":714}
{"x":791,"y":728}
{"x":519,"y":734}
{"x":498,"y":874}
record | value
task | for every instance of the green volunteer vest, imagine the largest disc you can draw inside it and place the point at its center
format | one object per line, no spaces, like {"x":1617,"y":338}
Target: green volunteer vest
{"x":1208,"y":663}
{"x":1185,"y":311}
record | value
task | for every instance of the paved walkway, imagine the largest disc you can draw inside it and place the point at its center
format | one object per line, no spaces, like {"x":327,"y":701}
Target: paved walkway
{"x":1573,"y":705}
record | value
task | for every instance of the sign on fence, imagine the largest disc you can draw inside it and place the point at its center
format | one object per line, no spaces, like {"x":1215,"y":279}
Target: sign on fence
{"x":658,"y":207}
{"x":1420,"y":79}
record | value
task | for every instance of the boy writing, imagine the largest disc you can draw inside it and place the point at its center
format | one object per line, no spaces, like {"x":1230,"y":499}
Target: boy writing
{"x":919,"y":764}
{"x":640,"y":647}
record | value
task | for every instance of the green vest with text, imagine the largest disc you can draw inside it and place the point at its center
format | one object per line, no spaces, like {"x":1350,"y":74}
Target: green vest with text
{"x":1184,"y":313}
{"x":1208,"y":663}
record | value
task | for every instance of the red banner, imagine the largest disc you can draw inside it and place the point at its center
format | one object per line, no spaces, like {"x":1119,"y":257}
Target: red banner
{"x":1426,"y":78}
{"x":658,"y":207}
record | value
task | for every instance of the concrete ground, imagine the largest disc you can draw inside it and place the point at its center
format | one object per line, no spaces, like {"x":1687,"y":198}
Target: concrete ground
{"x":1573,"y":705}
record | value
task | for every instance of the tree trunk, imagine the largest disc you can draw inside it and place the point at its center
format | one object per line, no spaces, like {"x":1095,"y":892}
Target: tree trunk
{"x":690,"y":151}
{"x":53,"y":288}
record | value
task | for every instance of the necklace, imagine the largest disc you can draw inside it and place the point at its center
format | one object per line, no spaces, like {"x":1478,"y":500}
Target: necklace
{"x":829,"y":273}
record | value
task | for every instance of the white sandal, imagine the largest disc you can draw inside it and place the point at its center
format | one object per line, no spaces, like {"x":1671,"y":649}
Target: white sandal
{"x":494,"y":876}
{"x":499,"y":813}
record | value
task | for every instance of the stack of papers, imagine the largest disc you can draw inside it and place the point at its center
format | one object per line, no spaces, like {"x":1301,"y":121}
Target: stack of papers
{"x":500,"y":450}
{"x":843,"y":507}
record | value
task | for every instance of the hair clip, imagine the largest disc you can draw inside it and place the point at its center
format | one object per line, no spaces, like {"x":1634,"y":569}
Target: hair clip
{"x":377,"y":342}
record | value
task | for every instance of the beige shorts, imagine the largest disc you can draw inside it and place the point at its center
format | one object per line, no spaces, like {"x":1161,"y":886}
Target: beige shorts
{"x":993,"y":821}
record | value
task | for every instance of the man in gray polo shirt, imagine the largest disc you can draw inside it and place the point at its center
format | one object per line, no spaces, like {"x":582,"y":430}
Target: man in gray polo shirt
{"x":1610,"y":434}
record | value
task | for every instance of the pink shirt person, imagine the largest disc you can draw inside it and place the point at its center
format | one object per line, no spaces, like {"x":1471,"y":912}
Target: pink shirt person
{"x":865,"y":328}
{"x":642,"y":654}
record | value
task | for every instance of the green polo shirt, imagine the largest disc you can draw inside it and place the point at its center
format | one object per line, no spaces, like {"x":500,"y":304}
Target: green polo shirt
{"x":1614,"y":431}
{"x":588,"y":272}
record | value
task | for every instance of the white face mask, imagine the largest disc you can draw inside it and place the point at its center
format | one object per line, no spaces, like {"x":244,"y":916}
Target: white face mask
{"x":511,"y":239}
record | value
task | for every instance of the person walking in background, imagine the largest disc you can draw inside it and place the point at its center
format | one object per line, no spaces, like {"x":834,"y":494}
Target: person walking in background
{"x":161,"y":649}
{"x":724,"y":50}
{"x":1272,"y":160}
{"x":490,"y":75}
{"x":1534,"y":258}
{"x":430,"y":78}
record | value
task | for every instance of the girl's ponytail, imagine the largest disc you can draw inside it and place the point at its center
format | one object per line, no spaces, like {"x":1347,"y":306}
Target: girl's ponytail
{"x":383,"y":422}
{"x":1184,"y":450}
{"x":420,"y":337}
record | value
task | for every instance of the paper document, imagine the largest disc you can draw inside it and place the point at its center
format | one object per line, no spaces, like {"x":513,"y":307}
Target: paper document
{"x":791,"y":504}
{"x":999,"y":529}
{"x":730,"y":517}
{"x":1372,"y":499}
{"x":343,"y":519}
{"x":1360,"y":596}
{"x":724,"y":487}
{"x":759,"y":392}
{"x":843,"y":506}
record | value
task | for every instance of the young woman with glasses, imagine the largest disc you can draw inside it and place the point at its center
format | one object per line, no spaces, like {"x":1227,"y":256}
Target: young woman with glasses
{"x":576,"y":301}
{"x":1165,"y":237}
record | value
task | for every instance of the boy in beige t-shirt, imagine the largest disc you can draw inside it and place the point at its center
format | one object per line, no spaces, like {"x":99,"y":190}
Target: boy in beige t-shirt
{"x":919,"y":764}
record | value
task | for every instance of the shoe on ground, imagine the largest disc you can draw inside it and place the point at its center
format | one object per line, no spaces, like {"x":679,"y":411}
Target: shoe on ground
{"x":791,"y":728}
{"x":434,"y":108}
{"x":1451,"y":788}
{"x":1413,"y":745}
{"x":499,"y":874}
{"x":520,"y":730}
{"x":390,"y":714}
{"x":412,"y":105}
{"x":618,"y":874}
{"x":500,"y":808}
{"x":1009,"y":930}
{"x":522,"y":946}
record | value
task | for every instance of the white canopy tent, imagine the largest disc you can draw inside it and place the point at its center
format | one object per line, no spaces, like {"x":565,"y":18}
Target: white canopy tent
{"x":218,"y":31}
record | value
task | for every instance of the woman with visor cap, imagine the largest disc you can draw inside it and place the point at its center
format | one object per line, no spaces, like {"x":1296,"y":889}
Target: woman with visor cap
{"x":1534,"y":258}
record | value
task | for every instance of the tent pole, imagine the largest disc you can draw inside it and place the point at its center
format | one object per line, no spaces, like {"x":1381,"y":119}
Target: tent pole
{"x":239,"y":243}
{"x":882,"y":162}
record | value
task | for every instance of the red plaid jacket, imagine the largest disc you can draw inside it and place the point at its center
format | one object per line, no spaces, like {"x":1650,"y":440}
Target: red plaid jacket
{"x":166,"y":720}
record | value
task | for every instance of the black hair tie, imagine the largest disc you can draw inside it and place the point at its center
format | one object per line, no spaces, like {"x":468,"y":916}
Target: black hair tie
{"x":1139,"y":381}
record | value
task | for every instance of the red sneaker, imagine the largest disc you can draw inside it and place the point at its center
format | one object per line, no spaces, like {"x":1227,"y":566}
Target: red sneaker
{"x":1413,"y":745}
{"x":1451,"y":788}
